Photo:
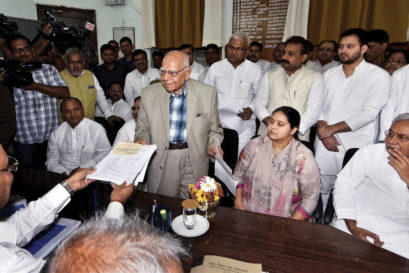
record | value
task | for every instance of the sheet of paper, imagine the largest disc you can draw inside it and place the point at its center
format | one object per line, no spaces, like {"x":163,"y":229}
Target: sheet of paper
{"x":126,"y":162}
{"x":224,"y":172}
{"x":217,"y":264}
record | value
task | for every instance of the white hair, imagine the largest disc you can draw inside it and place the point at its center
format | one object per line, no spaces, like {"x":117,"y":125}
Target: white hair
{"x":117,"y":246}
{"x":241,"y":36}
{"x":73,"y":50}
{"x":401,"y":117}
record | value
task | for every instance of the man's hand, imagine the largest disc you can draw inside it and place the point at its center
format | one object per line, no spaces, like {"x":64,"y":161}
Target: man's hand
{"x":324,"y":131}
{"x":121,"y":193}
{"x":362,"y":233}
{"x":142,"y":141}
{"x":212,"y":151}
{"x":78,"y":180}
{"x":267,"y":119}
{"x":47,"y":30}
{"x":400,"y":163}
{"x":246,"y":113}
{"x":331,"y":143}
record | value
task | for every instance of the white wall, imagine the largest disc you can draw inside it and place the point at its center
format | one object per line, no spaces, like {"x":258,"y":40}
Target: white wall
{"x":107,"y":17}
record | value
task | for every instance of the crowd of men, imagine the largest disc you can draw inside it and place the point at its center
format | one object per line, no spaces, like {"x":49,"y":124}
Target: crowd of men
{"x":350,"y":94}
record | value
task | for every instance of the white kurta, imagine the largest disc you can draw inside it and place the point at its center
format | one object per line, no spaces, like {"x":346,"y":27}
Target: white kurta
{"x":197,"y":71}
{"x":273,"y":66}
{"x":371,"y":192}
{"x":398,"y":102}
{"x":126,"y":133}
{"x":264,"y":65}
{"x":120,"y":109}
{"x":25,"y":224}
{"x":84,"y":146}
{"x":237,"y":89}
{"x":313,"y":66}
{"x":304,"y":90}
{"x":135,"y":82}
{"x":357,"y":100}
{"x":327,"y":66}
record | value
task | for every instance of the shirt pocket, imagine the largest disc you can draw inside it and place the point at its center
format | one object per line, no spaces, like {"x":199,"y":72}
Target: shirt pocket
{"x":243,"y":90}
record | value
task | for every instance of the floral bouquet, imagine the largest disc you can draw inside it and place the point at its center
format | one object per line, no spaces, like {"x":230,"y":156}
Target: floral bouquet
{"x":206,"y":189}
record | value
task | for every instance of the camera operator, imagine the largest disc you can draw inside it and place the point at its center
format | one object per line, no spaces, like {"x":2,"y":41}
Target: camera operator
{"x":7,"y":113}
{"x":43,"y":45}
{"x":36,"y":105}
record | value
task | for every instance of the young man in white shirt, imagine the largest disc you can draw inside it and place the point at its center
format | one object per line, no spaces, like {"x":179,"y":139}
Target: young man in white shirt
{"x":197,"y":69}
{"x":237,"y":82}
{"x":127,"y":132}
{"x":356,"y":93}
{"x":140,"y":77}
{"x":20,"y":228}
{"x":292,"y":85}
{"x":371,"y":196}
{"x":78,"y":142}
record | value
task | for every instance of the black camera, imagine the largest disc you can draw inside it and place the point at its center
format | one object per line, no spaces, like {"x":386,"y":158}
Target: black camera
{"x":62,"y":36}
{"x":18,"y":74}
{"x":7,"y":29}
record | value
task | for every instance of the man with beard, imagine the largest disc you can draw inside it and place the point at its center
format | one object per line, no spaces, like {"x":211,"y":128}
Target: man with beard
{"x":356,"y":93}
{"x":83,"y":84}
{"x":293,"y":85}
{"x":237,"y":81}
{"x":255,"y":49}
{"x":139,"y":77}
{"x":371,"y":197}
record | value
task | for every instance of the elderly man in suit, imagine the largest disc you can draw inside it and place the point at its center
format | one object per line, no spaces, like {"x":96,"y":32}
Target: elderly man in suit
{"x":180,"y":116}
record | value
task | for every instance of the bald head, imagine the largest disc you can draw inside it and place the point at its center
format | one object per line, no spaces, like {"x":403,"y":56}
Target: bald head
{"x":175,"y":71}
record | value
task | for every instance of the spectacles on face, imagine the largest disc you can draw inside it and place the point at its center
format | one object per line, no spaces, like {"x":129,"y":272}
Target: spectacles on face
{"x":171,"y":73}
{"x":397,"y":61}
{"x":21,"y":50}
{"x":241,"y":49}
{"x":12,"y":165}
{"x":400,"y":137}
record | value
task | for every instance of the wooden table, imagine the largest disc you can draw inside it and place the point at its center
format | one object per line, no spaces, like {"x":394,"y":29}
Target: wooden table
{"x":279,"y":244}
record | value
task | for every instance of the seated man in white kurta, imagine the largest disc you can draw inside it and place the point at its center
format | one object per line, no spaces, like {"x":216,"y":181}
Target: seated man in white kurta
{"x":76,"y":143}
{"x":292,"y":85}
{"x":371,"y":195}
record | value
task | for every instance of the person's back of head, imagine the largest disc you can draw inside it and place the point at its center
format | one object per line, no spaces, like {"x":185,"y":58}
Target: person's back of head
{"x":118,"y":246}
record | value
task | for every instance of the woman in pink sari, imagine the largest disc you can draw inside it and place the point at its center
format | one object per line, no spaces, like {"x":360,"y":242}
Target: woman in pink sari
{"x":278,"y":175}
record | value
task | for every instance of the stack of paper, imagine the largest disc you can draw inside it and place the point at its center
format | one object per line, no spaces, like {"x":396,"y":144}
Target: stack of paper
{"x":126,"y":162}
{"x":224,"y":173}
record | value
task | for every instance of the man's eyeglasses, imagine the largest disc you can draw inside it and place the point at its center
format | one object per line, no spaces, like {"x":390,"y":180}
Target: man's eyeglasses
{"x":171,"y":73}
{"x":400,"y":137}
{"x":242,"y":49}
{"x":21,"y":50}
{"x":12,"y":165}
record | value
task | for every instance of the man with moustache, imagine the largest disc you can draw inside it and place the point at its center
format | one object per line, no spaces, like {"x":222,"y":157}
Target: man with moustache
{"x":180,"y":116}
{"x":126,"y":46}
{"x":237,"y":82}
{"x":356,"y":93}
{"x":327,"y":50}
{"x":292,"y":85}
{"x":35,"y":105}
{"x":83,"y":84}
{"x":371,"y":195}
{"x":78,"y":142}
{"x":277,"y":54}
{"x":140,"y":77}
{"x":255,"y":49}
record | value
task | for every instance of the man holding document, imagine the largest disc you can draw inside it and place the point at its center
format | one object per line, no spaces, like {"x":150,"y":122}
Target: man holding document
{"x":180,"y":116}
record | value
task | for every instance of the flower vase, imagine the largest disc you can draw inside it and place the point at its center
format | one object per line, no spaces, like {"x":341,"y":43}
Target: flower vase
{"x":208,"y":209}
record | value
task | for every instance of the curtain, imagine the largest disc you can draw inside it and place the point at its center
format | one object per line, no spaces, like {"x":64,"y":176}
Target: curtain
{"x":179,"y":22}
{"x":329,"y":18}
{"x":148,"y":23}
{"x":213,"y":23}
{"x":297,"y":18}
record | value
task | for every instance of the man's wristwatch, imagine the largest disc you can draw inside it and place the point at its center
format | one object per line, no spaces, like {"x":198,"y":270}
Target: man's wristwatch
{"x":67,"y":187}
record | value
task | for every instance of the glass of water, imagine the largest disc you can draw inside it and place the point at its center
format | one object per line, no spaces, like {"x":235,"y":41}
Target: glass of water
{"x":189,"y":217}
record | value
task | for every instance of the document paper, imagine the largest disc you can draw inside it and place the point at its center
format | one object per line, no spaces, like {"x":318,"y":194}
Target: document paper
{"x":224,"y":173}
{"x":126,"y":162}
